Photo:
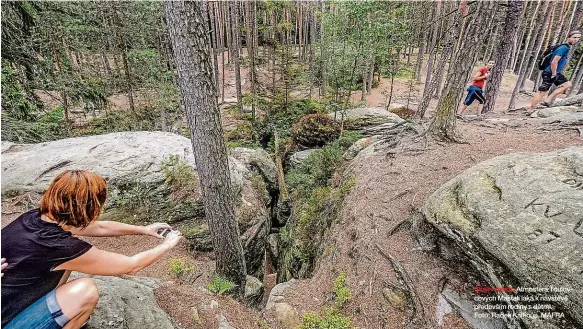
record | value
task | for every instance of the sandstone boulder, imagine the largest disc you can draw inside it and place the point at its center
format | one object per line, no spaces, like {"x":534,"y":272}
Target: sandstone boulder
{"x":518,"y":218}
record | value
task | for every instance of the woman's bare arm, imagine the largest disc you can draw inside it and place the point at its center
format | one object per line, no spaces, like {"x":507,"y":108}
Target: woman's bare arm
{"x":111,"y":228}
{"x":101,"y":262}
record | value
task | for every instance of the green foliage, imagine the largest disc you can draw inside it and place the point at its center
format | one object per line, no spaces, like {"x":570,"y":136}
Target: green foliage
{"x":179,"y":174}
{"x":220,"y":285}
{"x":316,"y":201}
{"x":179,"y":267}
{"x":145,"y":118}
{"x":315,"y":130}
{"x":130,"y":197}
{"x":317,"y":169}
{"x":261,"y":324}
{"x":17,"y":102}
{"x":281,"y":118}
{"x":47,"y":127}
{"x":341,"y":291}
{"x":329,"y":319}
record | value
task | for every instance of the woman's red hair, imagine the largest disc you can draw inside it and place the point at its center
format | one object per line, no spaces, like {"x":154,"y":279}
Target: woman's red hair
{"x":74,"y":198}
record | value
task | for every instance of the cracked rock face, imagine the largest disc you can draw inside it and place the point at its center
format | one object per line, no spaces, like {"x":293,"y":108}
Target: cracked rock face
{"x":519,"y":220}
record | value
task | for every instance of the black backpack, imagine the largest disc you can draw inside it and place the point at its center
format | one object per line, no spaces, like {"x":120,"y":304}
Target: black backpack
{"x":546,"y":59}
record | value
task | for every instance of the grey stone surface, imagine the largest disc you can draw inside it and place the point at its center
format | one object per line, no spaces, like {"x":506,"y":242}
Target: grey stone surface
{"x":465,"y":308}
{"x":127,"y":303}
{"x":358,"y":146}
{"x":276,"y":294}
{"x":300,"y":156}
{"x":363,"y":117}
{"x":259,"y":161}
{"x":224,"y":323}
{"x":519,"y":220}
{"x":557,"y":111}
{"x":254,"y":290}
{"x":572,"y":119}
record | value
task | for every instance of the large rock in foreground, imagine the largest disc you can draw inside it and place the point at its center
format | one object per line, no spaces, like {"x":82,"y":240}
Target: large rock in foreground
{"x":152,"y":177}
{"x":127,"y":303}
{"x":519,"y":220}
{"x":364,"y":117}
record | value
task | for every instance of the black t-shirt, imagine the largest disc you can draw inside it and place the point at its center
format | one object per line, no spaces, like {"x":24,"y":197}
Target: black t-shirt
{"x":32,"y":248}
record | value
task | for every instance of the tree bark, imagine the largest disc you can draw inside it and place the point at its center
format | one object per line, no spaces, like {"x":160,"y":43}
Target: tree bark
{"x":123,"y":49}
{"x":234,"y":17}
{"x":191,"y":45}
{"x":524,"y":59}
{"x":420,"y":55}
{"x":250,"y":51}
{"x":538,"y":44}
{"x":324,"y":80}
{"x":502,"y":54}
{"x":444,"y":124}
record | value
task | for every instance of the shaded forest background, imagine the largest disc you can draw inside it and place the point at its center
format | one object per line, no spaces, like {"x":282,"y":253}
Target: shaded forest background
{"x":62,"y":61}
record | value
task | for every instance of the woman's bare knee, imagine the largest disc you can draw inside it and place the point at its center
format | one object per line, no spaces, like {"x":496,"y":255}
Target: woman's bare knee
{"x":77,"y":296}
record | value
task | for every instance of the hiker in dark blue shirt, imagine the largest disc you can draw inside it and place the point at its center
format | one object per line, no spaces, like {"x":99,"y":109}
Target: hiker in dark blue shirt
{"x":552,"y":72}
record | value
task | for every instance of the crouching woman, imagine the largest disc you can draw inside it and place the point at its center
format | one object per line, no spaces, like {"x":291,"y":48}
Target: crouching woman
{"x":41,"y":248}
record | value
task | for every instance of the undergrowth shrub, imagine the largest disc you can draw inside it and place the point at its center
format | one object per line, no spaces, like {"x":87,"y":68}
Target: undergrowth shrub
{"x":403,"y":112}
{"x":317,"y":201}
{"x":315,"y":130}
{"x":341,"y":291}
{"x":326,"y":320}
{"x":220,"y":285}
{"x":47,"y":127}
{"x":330,"y":318}
{"x":179,"y":267}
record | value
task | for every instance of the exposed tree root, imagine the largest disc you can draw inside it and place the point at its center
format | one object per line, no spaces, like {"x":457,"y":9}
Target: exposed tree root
{"x":417,"y":314}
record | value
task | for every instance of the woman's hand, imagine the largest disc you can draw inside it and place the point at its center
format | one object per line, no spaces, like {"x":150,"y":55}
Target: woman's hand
{"x":172,"y":238}
{"x":4,"y":264}
{"x":153,"y":229}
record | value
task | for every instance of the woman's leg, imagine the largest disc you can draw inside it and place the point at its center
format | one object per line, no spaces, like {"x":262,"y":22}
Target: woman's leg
{"x":77,"y":300}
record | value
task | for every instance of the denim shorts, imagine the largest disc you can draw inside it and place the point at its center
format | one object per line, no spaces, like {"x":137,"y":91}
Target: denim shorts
{"x":45,"y":313}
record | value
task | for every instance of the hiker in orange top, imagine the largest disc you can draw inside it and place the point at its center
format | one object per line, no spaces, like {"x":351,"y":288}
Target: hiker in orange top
{"x":40,"y":249}
{"x":475,"y":91}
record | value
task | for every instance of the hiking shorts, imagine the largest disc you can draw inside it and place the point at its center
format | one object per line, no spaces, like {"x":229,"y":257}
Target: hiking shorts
{"x":548,"y":82}
{"x":45,"y":313}
{"x":473,"y":94}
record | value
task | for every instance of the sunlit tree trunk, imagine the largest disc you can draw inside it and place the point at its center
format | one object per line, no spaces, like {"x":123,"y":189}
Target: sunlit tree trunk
{"x":191,"y":45}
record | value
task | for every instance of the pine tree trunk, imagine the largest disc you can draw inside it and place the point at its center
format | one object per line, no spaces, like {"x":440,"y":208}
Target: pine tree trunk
{"x":191,"y":45}
{"x":420,"y":55}
{"x":312,"y":49}
{"x":215,"y":41}
{"x":324,"y":81}
{"x":370,"y":75}
{"x":557,"y":37}
{"x":437,"y":71}
{"x":502,"y":53}
{"x":444,"y":124}
{"x":250,"y":13}
{"x":526,"y":55}
{"x":233,"y":18}
{"x":123,"y":49}
{"x":577,"y":80}
{"x":538,"y":43}
{"x":432,"y":56}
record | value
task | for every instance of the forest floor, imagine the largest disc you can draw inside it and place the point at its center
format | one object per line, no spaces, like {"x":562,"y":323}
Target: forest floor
{"x":386,"y":189}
